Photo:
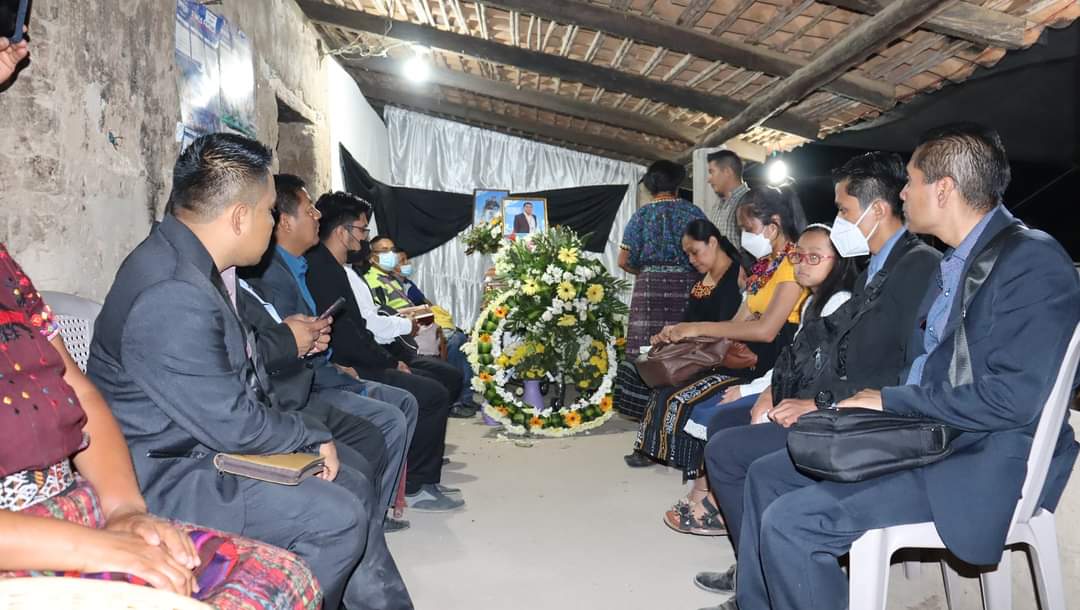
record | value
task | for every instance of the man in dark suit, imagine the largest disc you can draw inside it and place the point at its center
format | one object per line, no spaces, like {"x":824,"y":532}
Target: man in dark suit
{"x":280,"y":280}
{"x":181,"y":375}
{"x":1018,"y":325}
{"x":870,"y":333}
{"x":525,"y":222}
{"x":343,"y":229}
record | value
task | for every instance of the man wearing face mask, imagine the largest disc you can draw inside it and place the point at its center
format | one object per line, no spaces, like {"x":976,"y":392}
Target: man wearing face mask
{"x":343,"y":229}
{"x":866,"y":346}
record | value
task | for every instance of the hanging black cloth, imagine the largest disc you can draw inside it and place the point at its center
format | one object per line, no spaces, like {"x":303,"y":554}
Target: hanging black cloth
{"x":420,"y":220}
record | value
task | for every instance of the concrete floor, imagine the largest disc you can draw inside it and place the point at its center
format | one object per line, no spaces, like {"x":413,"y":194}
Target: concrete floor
{"x":561,"y":524}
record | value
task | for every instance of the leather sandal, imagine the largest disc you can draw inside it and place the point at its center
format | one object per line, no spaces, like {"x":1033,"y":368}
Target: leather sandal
{"x":681,"y":519}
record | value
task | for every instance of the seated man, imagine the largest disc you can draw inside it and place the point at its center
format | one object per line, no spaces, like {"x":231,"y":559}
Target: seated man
{"x":291,"y":349}
{"x":284,"y":282}
{"x":380,"y":271}
{"x":176,"y":364}
{"x":1018,"y":325}
{"x":865,"y":344}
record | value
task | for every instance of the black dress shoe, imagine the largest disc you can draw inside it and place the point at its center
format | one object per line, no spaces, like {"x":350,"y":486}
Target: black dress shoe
{"x":391,"y":524}
{"x":717,"y":582}
{"x":638,"y":459}
{"x":461,"y":411}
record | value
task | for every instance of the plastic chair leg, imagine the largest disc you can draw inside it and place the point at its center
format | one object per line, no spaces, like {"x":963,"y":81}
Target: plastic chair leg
{"x":1047,"y":560}
{"x":868,"y":585}
{"x":997,"y":585}
{"x":952,"y":582}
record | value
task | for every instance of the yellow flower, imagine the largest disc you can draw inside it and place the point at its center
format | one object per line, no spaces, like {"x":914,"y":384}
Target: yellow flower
{"x":530,"y":287}
{"x":606,"y":403}
{"x":598,"y":345}
{"x":567,"y":320}
{"x":485,"y":338}
{"x":501,"y":311}
{"x":621,"y":341}
{"x":485,"y":376}
{"x":595,"y":293}
{"x":515,"y":360}
{"x":539,"y":347}
{"x":568,"y":256}
{"x":536,"y":422}
{"x":496,"y":221}
{"x":566,"y":291}
{"x":572,"y":419}
{"x":503,"y":361}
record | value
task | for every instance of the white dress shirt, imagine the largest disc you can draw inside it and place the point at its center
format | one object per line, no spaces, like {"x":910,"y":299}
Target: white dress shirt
{"x":385,"y":328}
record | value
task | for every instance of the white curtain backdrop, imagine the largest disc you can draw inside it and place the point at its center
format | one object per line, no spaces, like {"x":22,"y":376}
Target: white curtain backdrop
{"x":435,"y":154}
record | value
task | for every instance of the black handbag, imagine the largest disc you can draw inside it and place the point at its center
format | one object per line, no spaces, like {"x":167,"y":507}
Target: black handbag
{"x":850,"y":445}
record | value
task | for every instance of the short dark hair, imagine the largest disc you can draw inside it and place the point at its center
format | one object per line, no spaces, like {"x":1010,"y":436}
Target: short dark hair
{"x":340,"y":208}
{"x":663,"y":177}
{"x":972,"y":155}
{"x":701,"y":230}
{"x":764,"y":202}
{"x":380,"y":237}
{"x":873,"y":176}
{"x":288,"y":189}
{"x":727,"y":158}
{"x":214,"y":170}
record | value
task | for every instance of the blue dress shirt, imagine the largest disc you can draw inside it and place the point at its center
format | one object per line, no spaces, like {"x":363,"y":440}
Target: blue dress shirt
{"x":877,"y":261}
{"x":298,"y":267}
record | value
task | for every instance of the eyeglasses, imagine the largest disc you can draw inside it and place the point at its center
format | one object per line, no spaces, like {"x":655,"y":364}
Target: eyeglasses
{"x":363,"y":230}
{"x":810,"y":259}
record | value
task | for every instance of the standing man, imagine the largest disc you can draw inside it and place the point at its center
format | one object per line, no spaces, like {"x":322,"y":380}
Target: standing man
{"x":525,"y":222}
{"x":1018,"y":326}
{"x":183,"y":378}
{"x":725,"y":178}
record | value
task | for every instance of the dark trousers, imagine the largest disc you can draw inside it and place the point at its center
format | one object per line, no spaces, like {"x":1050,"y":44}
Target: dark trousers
{"x":795,"y":529}
{"x":361,"y":446}
{"x":457,"y":358}
{"x":439,"y":370}
{"x":733,"y":446}
{"x":336,"y":527}
{"x":429,"y":440}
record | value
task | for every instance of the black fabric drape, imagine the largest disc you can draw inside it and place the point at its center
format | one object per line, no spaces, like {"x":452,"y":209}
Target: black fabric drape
{"x":420,"y":220}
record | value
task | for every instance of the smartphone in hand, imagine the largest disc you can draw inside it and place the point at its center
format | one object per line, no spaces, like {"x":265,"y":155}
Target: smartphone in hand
{"x":334,"y":308}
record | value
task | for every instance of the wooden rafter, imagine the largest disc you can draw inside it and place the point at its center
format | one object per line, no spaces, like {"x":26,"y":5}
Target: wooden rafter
{"x":686,"y":40}
{"x":693,"y":12}
{"x":597,"y":76}
{"x":899,"y":18}
{"x":963,"y":20}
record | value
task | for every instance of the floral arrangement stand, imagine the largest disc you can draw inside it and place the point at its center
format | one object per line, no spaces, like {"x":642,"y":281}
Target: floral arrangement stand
{"x":485,"y":238}
{"x":559,"y":320}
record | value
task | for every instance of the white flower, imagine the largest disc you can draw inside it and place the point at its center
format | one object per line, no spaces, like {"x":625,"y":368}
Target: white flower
{"x":546,"y":316}
{"x":477,"y":385}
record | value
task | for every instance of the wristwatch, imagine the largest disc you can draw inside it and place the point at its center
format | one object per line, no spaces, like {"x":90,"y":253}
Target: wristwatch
{"x":824,"y":400}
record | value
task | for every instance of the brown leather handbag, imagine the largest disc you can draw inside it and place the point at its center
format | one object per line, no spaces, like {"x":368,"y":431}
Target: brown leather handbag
{"x":673,"y":364}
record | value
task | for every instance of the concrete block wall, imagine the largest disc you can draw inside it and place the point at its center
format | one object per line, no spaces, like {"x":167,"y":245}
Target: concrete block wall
{"x":88,"y":129}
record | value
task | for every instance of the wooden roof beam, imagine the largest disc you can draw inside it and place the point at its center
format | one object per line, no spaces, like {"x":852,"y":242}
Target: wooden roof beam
{"x":899,"y":18}
{"x":565,"y":68}
{"x":706,"y":46}
{"x":963,"y":20}
{"x":546,"y":101}
{"x":578,"y":139}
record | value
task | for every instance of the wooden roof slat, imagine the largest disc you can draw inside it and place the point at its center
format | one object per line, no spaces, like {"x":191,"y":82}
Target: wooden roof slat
{"x":694,"y":11}
{"x":825,"y":12}
{"x":730,"y":19}
{"x":700,"y":44}
{"x":963,"y":20}
{"x":782,"y":18}
{"x":897,"y":19}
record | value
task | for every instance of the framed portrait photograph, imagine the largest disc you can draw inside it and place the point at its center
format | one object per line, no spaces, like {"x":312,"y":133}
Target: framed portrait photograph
{"x":487,"y":205}
{"x":524,"y":216}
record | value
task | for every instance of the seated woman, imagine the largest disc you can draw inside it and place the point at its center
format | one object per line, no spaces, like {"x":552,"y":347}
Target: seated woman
{"x":771,"y":220}
{"x":715,"y":297}
{"x":69,"y":502}
{"x":830,"y":280}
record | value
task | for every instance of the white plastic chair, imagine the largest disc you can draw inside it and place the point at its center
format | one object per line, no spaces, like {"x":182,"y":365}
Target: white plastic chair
{"x":76,"y":317}
{"x":1032,"y":526}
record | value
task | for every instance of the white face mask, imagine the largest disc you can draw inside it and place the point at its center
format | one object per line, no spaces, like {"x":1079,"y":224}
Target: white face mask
{"x":387,"y":260}
{"x":756,"y":244}
{"x":848,"y":238}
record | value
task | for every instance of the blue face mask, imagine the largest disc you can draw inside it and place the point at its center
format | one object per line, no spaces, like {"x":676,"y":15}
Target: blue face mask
{"x":387,"y":261}
{"x":407,"y":270}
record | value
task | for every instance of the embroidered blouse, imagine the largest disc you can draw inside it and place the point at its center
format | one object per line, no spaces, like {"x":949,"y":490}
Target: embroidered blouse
{"x":41,"y":420}
{"x":653,"y":237}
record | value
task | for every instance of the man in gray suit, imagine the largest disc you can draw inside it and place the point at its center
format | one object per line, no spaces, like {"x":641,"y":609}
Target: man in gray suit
{"x":184,"y":381}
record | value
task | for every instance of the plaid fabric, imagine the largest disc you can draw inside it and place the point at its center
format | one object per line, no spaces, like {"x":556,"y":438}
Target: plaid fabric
{"x":237,"y":573}
{"x":661,"y":433}
{"x":659,"y":299}
{"x":631,"y":393}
